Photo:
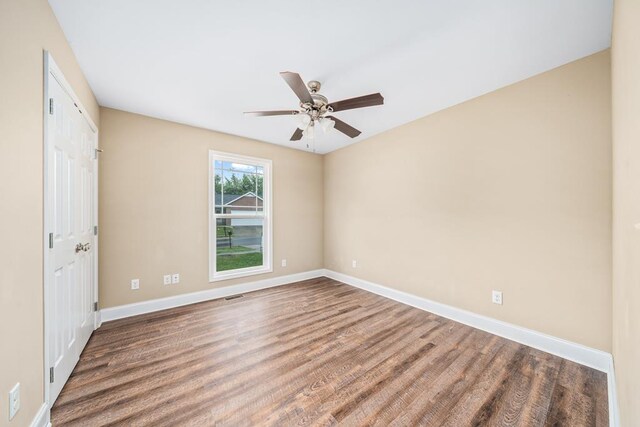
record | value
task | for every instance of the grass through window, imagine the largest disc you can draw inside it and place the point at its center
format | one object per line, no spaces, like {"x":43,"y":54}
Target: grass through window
{"x":237,"y":257}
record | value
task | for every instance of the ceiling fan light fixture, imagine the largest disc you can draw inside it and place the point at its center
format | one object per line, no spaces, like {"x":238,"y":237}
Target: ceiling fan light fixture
{"x":309,"y":133}
{"x":327,"y":124}
{"x":304,"y":120}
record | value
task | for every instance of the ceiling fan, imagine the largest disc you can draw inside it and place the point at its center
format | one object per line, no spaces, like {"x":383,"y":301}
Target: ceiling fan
{"x":314,"y":108}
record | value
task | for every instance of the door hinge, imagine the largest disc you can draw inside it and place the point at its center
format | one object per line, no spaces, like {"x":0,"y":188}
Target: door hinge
{"x":51,"y":375}
{"x":95,"y":230}
{"x":95,"y":306}
{"x":50,"y":105}
{"x":98,"y":151}
{"x":50,"y":240}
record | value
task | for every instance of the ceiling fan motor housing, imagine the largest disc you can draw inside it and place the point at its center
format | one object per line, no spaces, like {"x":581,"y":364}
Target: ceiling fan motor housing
{"x":319,"y":106}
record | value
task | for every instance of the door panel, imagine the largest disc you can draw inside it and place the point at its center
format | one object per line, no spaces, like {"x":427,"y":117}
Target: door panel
{"x":87,"y":160}
{"x":70,"y":204}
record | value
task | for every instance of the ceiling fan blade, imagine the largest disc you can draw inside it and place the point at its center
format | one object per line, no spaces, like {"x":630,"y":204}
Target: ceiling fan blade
{"x":297,"y":85}
{"x":348,"y":130}
{"x":272,"y":113}
{"x":359,"y":102}
{"x":297,"y":135}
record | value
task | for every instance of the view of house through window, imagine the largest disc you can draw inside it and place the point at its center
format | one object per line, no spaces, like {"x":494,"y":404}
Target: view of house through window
{"x":240,"y":214}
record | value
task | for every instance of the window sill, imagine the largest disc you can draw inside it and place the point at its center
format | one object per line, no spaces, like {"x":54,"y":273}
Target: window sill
{"x":236,"y":274}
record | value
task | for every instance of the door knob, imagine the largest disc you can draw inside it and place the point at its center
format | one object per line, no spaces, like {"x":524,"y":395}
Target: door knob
{"x":83,"y":248}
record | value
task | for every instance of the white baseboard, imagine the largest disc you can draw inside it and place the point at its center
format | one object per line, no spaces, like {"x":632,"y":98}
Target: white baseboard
{"x":42,"y":417}
{"x":612,"y":391}
{"x":578,"y":353}
{"x":143,"y":307}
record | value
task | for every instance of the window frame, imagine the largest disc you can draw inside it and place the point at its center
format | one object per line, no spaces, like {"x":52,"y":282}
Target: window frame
{"x":267,"y":255}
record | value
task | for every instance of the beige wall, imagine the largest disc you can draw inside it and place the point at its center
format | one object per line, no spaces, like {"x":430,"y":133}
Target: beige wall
{"x":154,"y":203}
{"x":26,"y":28}
{"x":509,"y":191}
{"x":626,"y":207}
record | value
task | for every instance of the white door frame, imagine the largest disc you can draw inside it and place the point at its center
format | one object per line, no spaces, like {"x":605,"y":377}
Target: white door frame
{"x":50,"y":67}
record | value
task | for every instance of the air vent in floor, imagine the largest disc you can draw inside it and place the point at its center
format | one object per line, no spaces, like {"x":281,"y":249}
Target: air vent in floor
{"x":233,"y":297}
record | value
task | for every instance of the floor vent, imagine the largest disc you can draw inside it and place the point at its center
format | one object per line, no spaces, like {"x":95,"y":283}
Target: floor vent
{"x":233,"y":297}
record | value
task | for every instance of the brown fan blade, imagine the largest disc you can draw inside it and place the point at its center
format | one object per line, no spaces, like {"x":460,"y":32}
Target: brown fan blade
{"x":297,"y":135}
{"x":359,"y":102}
{"x":297,"y":85}
{"x":344,"y":128}
{"x":272,"y":113}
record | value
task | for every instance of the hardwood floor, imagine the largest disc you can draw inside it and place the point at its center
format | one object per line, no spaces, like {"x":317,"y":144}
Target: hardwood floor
{"x":319,"y":352}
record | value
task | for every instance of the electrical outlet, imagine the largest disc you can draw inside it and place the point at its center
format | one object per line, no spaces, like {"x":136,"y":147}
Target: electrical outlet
{"x":284,"y":262}
{"x":14,"y":401}
{"x":496,"y":297}
{"x":135,"y":284}
{"x":167,"y":279}
{"x":354,"y":263}
{"x":175,"y":279}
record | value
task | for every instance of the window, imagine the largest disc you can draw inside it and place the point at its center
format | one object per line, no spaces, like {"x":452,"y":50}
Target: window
{"x":239,"y":216}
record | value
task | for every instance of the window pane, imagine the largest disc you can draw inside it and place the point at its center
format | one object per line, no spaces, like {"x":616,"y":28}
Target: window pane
{"x":239,"y":243}
{"x":239,"y":188}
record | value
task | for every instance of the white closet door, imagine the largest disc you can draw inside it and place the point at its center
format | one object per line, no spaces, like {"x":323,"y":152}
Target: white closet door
{"x":86,"y":257}
{"x":70,"y":155}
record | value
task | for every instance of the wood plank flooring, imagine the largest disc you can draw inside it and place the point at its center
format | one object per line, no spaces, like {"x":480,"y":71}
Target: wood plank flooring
{"x":319,"y":352}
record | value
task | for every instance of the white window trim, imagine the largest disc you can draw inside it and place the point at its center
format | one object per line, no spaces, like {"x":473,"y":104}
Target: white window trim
{"x":267,"y":259}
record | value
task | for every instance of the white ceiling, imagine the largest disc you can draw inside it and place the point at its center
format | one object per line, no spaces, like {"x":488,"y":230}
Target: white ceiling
{"x":204,"y":62}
